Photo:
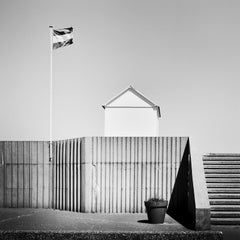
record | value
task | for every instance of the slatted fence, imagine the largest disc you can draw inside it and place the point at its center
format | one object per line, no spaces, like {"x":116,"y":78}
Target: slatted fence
{"x":91,"y":174}
{"x":120,"y":173}
{"x":25,"y":174}
{"x":67,"y":175}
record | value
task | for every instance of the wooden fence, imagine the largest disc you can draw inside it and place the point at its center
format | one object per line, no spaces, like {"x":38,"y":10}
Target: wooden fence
{"x":67,"y":175}
{"x":120,"y":173}
{"x":25,"y":174}
{"x":92,"y":174}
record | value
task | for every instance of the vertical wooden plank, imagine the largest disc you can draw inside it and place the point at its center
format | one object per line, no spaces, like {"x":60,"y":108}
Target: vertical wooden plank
{"x":148,"y":183}
{"x":160,"y":167}
{"x":12,"y":159}
{"x":168,"y":167}
{"x":155,"y":159}
{"x":55,"y":159}
{"x":139,"y":174}
{"x":107,"y":175}
{"x":93,"y":176}
{"x":40,"y":173}
{"x":173,"y":170}
{"x":156,"y":152}
{"x":53,"y":166}
{"x":20,"y":171}
{"x":50,"y":176}
{"x":79,"y":174}
{"x":46,"y":182}
{"x":2,"y":175}
{"x":135,"y":175}
{"x":153,"y":183}
{"x":164,"y":168}
{"x":116,"y":177}
{"x":103,"y":172}
{"x":110,"y":175}
{"x":64,"y":174}
{"x":75,"y":175}
{"x":30,"y":174}
{"x":34,"y":174}
{"x":72,"y":175}
{"x":98,"y":174}
{"x":58,"y":176}
{"x":127,"y":192}
{"x":122,"y":170}
{"x":61,"y":175}
{"x":141,"y":164}
{"x":179,"y":153}
{"x":26,"y":170}
{"x":131,"y":173}
{"x":67,"y":175}
{"x":144,"y":173}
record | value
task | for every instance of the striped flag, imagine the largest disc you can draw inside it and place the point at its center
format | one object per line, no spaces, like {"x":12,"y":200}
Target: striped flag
{"x":62,"y":37}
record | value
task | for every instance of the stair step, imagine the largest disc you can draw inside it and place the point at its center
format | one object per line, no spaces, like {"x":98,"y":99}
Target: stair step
{"x":223,"y":180}
{"x":225,"y":221}
{"x":224,"y":190}
{"x":222,"y":171}
{"x":224,"y":175}
{"x":222,"y":155}
{"x":221,"y":162}
{"x":222,"y":185}
{"x":209,"y":166}
{"x":222,"y":214}
{"x":225,"y":202}
{"x":224,"y":196}
{"x":221,"y":158}
{"x":235,"y":208}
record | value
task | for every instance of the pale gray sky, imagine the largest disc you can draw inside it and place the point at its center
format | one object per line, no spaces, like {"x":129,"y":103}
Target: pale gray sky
{"x":184,"y":55}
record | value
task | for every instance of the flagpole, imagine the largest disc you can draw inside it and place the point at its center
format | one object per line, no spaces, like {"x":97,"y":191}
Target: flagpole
{"x":51,"y":93}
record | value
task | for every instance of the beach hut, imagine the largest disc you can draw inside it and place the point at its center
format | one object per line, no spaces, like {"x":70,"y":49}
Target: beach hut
{"x":130,"y":113}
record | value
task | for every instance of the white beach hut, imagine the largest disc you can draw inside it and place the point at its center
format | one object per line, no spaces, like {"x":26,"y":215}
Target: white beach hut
{"x":130,"y":113}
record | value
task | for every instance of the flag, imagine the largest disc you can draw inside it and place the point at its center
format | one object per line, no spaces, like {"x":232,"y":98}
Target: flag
{"x":62,"y":37}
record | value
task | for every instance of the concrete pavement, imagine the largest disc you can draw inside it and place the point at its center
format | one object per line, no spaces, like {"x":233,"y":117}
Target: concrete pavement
{"x":55,"y":224}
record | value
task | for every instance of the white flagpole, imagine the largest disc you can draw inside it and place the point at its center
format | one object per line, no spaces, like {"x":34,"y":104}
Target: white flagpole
{"x":51,"y":93}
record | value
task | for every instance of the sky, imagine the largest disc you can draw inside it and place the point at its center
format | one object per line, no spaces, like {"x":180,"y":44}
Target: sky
{"x":184,"y":55}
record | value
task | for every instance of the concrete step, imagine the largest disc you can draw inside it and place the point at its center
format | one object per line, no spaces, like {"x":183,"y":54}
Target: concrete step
{"x":221,"y":158}
{"x":222,"y":175}
{"x":224,"y":196}
{"x":225,"y":166}
{"x":222,"y":171}
{"x":225,"y":202}
{"x":222,"y":154}
{"x":221,"y":162}
{"x":224,"y":190}
{"x":225,"y":221}
{"x":223,"y":214}
{"x":234,"y":208}
{"x":222,"y":185}
{"x":223,"y":180}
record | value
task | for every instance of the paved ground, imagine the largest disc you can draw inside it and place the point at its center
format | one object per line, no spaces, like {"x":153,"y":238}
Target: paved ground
{"x":229,"y":232}
{"x":55,"y":224}
{"x":52,"y":220}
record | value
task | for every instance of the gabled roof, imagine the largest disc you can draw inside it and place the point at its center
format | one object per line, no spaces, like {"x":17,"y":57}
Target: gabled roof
{"x":138,"y":94}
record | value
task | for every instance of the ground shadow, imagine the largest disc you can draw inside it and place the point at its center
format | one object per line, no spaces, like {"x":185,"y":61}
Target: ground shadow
{"x":144,"y":221}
